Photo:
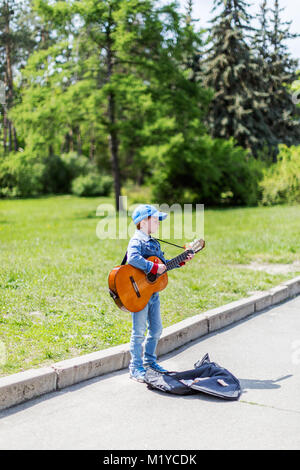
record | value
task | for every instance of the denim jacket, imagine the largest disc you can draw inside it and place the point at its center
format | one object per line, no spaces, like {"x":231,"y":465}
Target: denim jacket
{"x":142,"y":246}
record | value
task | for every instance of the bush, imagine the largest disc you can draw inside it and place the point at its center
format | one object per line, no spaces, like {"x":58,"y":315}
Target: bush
{"x":281,"y":181}
{"x":136,"y":194}
{"x":211,"y":171}
{"x":21,"y":175}
{"x":92,"y":184}
{"x":24,"y":174}
{"x":75,"y":164}
{"x":61,"y":170}
{"x":56,"y":178}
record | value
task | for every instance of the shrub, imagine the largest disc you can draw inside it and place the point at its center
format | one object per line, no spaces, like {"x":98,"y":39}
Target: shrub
{"x":21,"y":175}
{"x":25,"y":174}
{"x":207,"y":170}
{"x":281,"y":181}
{"x":56,"y":178}
{"x":136,"y":194}
{"x":75,"y":164}
{"x":92,"y":184}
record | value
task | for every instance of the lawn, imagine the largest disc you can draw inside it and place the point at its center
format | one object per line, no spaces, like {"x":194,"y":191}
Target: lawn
{"x":54,"y":300}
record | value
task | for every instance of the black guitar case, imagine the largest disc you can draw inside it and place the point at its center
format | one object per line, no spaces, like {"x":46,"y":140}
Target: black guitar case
{"x":206,"y":377}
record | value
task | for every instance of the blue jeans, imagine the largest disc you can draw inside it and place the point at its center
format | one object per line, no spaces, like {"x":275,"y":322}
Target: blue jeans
{"x":149,"y":315}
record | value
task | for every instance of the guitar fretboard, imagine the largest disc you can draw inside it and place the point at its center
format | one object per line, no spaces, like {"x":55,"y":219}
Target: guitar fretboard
{"x":173,"y":263}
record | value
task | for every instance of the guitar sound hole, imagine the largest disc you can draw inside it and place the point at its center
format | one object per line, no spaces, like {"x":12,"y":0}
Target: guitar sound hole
{"x":151,"y":277}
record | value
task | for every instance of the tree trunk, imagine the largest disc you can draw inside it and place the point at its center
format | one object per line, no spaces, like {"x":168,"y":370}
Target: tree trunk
{"x":9,"y":137}
{"x":71,"y":142}
{"x":79,"y":146}
{"x":92,"y":145}
{"x":15,"y":138}
{"x":113,"y":146}
{"x":113,"y":135}
{"x":4,"y":129}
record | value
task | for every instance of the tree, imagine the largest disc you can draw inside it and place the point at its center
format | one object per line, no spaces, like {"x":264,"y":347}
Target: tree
{"x":16,"y":43}
{"x":7,"y":39}
{"x":282,"y":73}
{"x":115,"y":83}
{"x":231,"y":69}
{"x":261,"y":46}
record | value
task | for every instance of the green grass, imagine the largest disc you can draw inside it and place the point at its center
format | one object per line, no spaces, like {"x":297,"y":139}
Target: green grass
{"x":53,"y":264}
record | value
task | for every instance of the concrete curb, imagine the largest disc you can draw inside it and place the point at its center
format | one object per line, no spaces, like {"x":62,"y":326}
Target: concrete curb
{"x":23,"y":386}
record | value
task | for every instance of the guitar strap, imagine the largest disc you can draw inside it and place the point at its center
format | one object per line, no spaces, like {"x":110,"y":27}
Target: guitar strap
{"x":124,"y":259}
{"x":153,"y":238}
{"x":169,"y":243}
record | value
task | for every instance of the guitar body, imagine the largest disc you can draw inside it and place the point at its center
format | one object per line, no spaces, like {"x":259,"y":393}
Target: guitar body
{"x":131,"y":288}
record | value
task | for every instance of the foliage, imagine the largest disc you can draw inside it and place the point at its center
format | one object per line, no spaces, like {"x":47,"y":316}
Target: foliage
{"x":110,"y":88}
{"x":75,"y":164}
{"x":127,"y":87}
{"x":279,"y":70}
{"x":281,"y":182}
{"x":16,"y":44}
{"x":92,"y":184}
{"x":21,"y":175}
{"x":213,"y":171}
{"x":25,"y":174}
{"x":55,"y":177}
{"x":233,"y":71}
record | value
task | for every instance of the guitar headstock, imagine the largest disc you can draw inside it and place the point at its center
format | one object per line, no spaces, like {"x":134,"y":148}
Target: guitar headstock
{"x":196,"y":245}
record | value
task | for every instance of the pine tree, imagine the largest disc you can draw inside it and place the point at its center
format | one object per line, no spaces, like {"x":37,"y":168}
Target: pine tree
{"x":233,"y":72}
{"x":282,"y":73}
{"x":193,"y":43}
{"x":261,"y":40}
{"x":260,"y":44}
{"x":279,"y":72}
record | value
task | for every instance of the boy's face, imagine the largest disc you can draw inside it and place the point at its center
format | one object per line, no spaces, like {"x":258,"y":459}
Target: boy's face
{"x":150,"y":225}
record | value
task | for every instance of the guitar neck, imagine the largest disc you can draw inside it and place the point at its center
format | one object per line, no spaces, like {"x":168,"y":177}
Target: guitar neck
{"x":173,"y":263}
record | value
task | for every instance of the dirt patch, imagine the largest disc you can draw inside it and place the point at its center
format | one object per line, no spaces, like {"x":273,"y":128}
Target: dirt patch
{"x":271,"y":268}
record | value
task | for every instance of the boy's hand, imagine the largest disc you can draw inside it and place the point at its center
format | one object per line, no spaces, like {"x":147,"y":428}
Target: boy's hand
{"x":190,"y":256}
{"x":161,"y":268}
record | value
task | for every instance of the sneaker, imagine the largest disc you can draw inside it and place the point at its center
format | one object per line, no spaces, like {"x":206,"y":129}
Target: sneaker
{"x":156,"y":367}
{"x":137,"y":374}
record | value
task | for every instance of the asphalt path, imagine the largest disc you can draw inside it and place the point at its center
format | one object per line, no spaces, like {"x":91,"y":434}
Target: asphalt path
{"x":113,"y":412}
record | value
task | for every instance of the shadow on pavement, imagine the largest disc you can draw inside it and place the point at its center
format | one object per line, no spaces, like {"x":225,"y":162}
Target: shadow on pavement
{"x":262,"y":384}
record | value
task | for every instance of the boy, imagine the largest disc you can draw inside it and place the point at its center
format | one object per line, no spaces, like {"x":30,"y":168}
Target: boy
{"x":140,"y":247}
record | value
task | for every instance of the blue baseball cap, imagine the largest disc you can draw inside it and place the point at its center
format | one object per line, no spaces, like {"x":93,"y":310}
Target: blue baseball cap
{"x":145,"y":210}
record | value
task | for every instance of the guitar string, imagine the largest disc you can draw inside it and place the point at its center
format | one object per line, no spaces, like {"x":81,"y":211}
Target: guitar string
{"x":173,"y":262}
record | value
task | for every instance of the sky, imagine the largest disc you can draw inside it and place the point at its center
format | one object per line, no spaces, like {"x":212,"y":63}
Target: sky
{"x":202,"y":9}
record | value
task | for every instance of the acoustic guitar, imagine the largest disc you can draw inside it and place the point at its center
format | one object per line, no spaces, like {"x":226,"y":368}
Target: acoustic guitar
{"x":131,"y":288}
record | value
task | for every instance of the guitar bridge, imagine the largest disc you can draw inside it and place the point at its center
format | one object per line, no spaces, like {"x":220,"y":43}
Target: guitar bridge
{"x":134,"y":285}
